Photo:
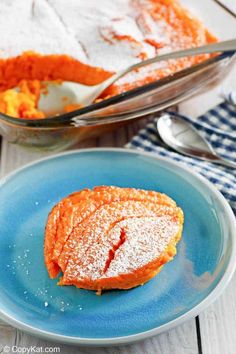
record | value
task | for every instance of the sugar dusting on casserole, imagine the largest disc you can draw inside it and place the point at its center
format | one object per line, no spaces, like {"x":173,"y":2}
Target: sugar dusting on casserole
{"x":111,"y":237}
{"x":86,"y":42}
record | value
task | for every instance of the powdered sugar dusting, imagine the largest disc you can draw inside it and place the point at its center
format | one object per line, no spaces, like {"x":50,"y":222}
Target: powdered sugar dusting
{"x":113,"y":31}
{"x":146,"y":239}
{"x":89,"y":250}
{"x":107,"y":34}
{"x":30,"y":25}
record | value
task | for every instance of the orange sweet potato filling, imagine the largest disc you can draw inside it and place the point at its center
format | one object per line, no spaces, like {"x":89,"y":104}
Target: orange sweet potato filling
{"x":27,"y":70}
{"x":79,"y":240}
{"x":22,"y":104}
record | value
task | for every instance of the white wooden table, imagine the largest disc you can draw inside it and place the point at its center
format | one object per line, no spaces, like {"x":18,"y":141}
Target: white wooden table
{"x":212,"y":332}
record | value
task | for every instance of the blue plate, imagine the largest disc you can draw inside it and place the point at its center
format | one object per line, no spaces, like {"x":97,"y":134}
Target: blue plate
{"x":32,"y":302}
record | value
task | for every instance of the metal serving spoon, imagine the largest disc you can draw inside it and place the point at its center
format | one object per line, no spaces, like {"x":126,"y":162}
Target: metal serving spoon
{"x":184,"y":138}
{"x":57,"y":96}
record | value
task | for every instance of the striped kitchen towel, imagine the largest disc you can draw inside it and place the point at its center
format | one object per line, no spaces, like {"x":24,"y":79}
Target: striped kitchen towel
{"x":218,"y":126}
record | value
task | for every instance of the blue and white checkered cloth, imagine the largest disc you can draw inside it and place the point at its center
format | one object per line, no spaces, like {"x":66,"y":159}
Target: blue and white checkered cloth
{"x":218,"y":126}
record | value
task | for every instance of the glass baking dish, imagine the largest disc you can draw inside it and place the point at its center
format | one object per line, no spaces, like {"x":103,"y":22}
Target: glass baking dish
{"x":61,"y":131}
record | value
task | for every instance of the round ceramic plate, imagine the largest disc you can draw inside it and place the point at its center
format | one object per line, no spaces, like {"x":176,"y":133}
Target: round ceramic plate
{"x":32,"y":302}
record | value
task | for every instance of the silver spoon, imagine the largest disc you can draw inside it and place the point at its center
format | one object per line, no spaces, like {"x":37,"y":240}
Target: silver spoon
{"x":57,"y":96}
{"x":184,"y":138}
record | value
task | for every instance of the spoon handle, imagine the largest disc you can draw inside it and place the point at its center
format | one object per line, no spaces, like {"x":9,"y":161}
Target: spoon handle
{"x":226,"y":163}
{"x":225,"y":46}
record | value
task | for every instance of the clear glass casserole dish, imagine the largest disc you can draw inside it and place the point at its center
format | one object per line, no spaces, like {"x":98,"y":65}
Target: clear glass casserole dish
{"x":64,"y":130}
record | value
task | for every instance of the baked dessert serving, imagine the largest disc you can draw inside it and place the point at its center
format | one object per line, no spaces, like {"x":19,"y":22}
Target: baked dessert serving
{"x":86,"y":42}
{"x":111,"y":237}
